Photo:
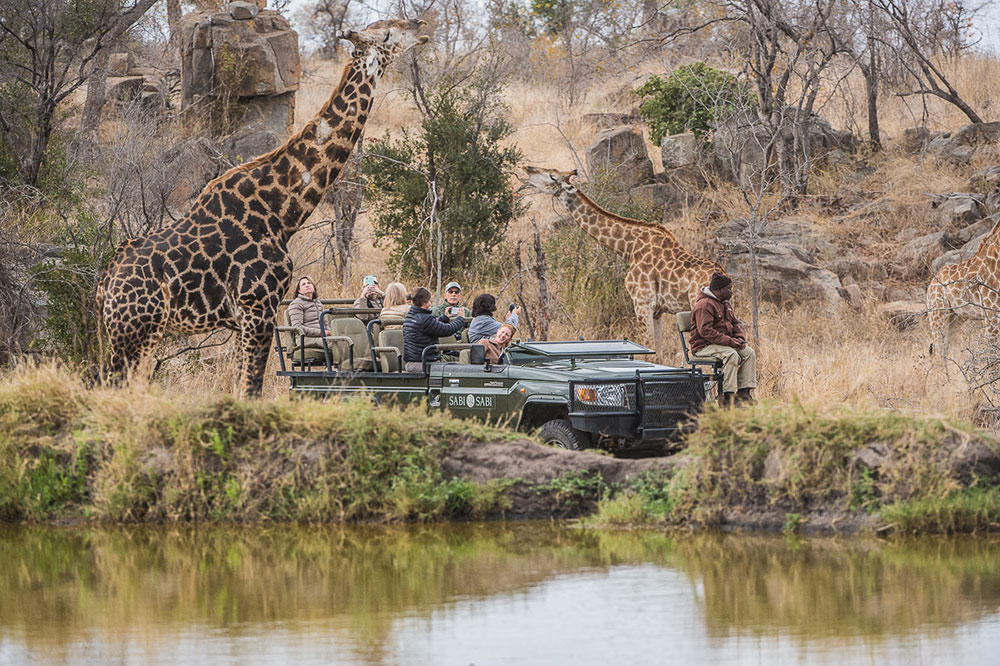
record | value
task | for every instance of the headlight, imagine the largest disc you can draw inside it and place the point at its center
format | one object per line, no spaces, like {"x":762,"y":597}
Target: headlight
{"x":620,"y":395}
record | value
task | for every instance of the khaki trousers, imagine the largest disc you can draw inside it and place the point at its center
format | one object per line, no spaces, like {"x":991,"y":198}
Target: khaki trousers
{"x":740,"y":369}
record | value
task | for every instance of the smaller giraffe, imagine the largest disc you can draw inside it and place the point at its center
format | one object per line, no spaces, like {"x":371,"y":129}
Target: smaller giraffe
{"x":662,"y":278}
{"x":968,"y":289}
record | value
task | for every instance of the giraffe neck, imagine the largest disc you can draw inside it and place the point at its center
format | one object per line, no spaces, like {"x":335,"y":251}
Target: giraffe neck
{"x":614,"y":232}
{"x":292,"y":179}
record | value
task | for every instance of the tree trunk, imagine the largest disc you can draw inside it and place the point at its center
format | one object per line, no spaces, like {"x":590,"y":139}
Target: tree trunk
{"x":96,"y":90}
{"x":541,"y":272}
{"x":871,"y":92}
{"x":174,"y":25}
{"x":345,"y":198}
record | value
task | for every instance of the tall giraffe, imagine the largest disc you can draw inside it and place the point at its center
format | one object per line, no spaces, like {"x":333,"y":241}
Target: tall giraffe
{"x":662,"y":278}
{"x":225,"y":264}
{"x":970,"y":288}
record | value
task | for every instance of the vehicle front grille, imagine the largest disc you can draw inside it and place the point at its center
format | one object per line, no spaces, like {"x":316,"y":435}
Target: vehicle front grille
{"x":667,"y":402}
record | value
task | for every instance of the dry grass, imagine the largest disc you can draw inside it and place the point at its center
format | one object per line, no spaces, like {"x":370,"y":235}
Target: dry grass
{"x":856,"y":358}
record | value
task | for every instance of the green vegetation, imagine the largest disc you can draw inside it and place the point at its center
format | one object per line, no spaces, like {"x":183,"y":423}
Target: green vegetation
{"x":143,"y":456}
{"x":795,"y":460}
{"x":442,"y":196}
{"x":691,"y":99}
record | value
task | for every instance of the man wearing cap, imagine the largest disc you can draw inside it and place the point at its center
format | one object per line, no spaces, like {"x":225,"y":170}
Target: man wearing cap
{"x":371,"y":297}
{"x":717,"y":333}
{"x":450,"y":306}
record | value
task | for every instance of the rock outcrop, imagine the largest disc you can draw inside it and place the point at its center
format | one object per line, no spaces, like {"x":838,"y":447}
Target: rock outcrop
{"x":252,"y":52}
{"x":787,"y":251}
{"x":620,"y":153}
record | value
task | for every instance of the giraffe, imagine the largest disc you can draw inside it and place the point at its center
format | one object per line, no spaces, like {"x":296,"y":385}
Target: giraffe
{"x":662,"y":278}
{"x":969,"y":289}
{"x":225,"y":264}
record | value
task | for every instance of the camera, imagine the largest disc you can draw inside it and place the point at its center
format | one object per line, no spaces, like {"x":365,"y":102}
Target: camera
{"x":510,"y":308}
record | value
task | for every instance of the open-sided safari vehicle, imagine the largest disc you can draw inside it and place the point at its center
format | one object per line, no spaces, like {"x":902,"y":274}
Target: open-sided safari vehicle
{"x":581,"y":394}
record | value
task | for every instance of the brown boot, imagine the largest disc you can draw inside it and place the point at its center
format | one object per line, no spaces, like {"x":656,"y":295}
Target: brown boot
{"x":744,"y":397}
{"x":727,"y":399}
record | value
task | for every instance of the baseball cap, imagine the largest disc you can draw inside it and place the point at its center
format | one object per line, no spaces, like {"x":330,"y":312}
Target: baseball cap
{"x":453,"y":285}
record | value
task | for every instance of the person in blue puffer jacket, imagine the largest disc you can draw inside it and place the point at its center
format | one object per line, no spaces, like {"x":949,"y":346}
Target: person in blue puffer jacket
{"x":422,"y":329}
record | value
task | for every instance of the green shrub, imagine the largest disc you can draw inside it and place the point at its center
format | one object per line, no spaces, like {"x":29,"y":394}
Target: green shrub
{"x":459,"y":148}
{"x":691,"y":99}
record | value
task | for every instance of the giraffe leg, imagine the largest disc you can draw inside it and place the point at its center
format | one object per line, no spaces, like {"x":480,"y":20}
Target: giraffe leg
{"x":254,"y":341}
{"x":939,"y":317}
{"x":132,"y":338}
{"x":658,"y":334}
{"x":644,"y":313}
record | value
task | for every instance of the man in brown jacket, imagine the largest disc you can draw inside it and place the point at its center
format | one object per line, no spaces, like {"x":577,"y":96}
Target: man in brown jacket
{"x":717,"y":333}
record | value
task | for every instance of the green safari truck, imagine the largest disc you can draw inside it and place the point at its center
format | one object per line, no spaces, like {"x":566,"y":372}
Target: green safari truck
{"x":579,"y":394}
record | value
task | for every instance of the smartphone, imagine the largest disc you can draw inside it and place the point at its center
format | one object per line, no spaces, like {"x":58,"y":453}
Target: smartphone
{"x":369,"y":280}
{"x":453,"y":311}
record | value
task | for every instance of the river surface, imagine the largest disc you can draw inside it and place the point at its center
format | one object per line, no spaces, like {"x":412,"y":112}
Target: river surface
{"x":528,"y":593}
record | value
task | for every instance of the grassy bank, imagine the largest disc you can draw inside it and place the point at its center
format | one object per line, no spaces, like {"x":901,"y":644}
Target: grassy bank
{"x":905,"y":473}
{"x":67,"y":452}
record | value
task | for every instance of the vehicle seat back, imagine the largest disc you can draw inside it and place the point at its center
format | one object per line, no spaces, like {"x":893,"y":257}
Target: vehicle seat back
{"x":388,"y":361}
{"x":355,"y":330}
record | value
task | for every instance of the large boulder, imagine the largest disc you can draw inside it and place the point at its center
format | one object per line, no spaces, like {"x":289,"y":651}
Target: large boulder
{"x":248,"y":142}
{"x":960,"y":146}
{"x":188,"y":167}
{"x":914,"y":258}
{"x":786,"y":252}
{"x":680,"y":151}
{"x":256,"y":57}
{"x":740,"y":142}
{"x":958,"y":209}
{"x":620,"y":153}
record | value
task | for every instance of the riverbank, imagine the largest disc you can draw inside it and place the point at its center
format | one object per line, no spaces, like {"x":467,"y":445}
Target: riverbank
{"x":70,"y":454}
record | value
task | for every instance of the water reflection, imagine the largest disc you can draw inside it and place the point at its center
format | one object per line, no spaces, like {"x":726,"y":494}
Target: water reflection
{"x":532,"y":593}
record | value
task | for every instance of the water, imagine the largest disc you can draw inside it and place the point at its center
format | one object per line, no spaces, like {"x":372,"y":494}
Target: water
{"x":490,"y":594}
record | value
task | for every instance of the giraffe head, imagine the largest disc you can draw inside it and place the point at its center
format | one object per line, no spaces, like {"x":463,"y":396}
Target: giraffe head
{"x":386,"y":39}
{"x":550,"y":181}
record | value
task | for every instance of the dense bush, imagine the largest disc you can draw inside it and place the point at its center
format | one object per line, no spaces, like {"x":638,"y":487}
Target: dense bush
{"x":690,"y":100}
{"x":442,"y":196}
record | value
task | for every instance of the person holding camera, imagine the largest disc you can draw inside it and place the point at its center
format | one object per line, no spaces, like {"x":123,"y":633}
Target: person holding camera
{"x":452,"y":303}
{"x":422,"y":329}
{"x":371,"y":297}
{"x":716,"y":333}
{"x":483,"y":324}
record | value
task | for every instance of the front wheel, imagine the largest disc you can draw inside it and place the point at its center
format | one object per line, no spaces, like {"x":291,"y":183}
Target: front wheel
{"x":561,"y":434}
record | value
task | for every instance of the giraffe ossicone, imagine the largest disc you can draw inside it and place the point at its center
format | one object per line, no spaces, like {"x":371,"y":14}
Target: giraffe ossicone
{"x":663,"y":277}
{"x":225,"y":264}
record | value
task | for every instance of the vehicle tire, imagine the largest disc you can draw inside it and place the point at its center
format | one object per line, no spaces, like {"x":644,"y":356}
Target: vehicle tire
{"x":560,"y":434}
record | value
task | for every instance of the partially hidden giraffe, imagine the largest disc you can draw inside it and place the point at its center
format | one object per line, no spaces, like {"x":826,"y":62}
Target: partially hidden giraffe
{"x":225,"y":264}
{"x":969,"y":289}
{"x":662,"y":278}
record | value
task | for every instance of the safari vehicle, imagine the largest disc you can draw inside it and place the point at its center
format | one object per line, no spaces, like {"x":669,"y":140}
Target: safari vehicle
{"x":580,"y":394}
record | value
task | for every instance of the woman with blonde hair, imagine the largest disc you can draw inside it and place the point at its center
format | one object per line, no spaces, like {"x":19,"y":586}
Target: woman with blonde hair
{"x":395,"y":306}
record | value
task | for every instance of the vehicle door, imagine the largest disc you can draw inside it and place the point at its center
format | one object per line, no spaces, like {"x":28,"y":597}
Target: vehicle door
{"x":470,"y":391}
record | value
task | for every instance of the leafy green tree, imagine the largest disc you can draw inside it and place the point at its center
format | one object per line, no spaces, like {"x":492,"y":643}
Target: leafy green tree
{"x":554,"y":15}
{"x":691,"y":99}
{"x":442,"y":197}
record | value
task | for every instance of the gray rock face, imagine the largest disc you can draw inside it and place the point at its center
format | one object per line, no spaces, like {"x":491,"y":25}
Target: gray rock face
{"x":680,"y":151}
{"x":655,"y":195}
{"x":915,"y":139}
{"x":985,"y":180}
{"x":242,"y":11}
{"x":916,"y":256}
{"x":739,"y":144}
{"x":123,"y":89}
{"x":262,"y":48}
{"x":120,"y":64}
{"x":621,"y":154}
{"x":958,"y":209}
{"x":786,"y":252}
{"x":189,"y":167}
{"x":975,"y":233}
{"x":960,"y":146}
{"x":903,"y":314}
{"x":249,"y":142}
